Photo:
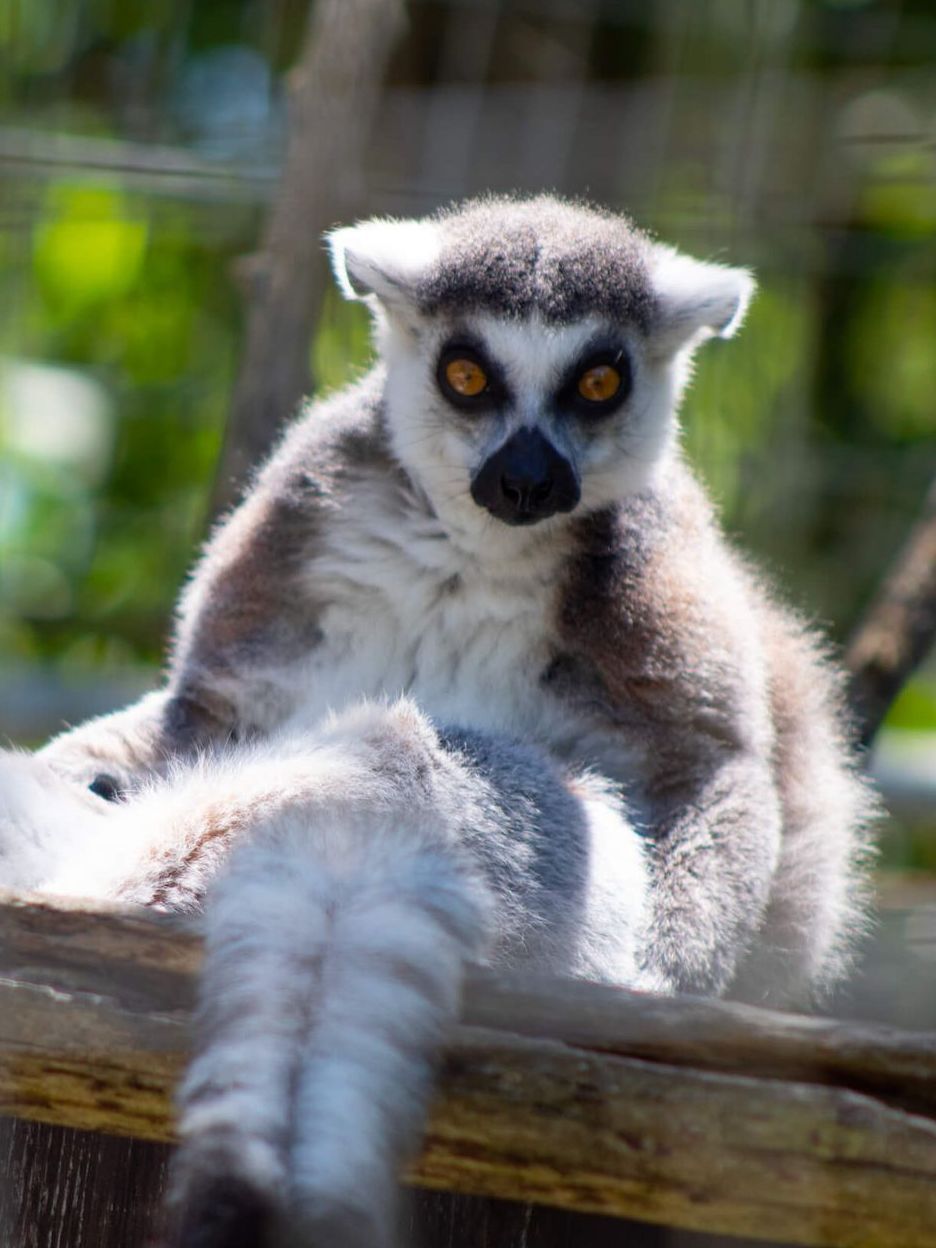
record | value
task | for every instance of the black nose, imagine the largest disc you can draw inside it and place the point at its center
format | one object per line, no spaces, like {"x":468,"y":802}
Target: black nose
{"x":526,"y":480}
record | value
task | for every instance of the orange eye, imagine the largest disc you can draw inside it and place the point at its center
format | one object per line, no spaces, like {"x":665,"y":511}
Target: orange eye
{"x":466,"y":377}
{"x":599,"y":383}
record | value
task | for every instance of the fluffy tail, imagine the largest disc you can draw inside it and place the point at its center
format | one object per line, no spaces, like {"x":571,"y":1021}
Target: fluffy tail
{"x":333,"y":966}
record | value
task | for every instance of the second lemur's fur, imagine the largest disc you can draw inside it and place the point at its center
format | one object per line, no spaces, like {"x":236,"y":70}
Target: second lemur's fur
{"x":471,"y":672}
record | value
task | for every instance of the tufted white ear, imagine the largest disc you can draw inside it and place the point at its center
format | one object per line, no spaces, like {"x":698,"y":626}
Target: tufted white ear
{"x":696,"y":299}
{"x":382,"y":257}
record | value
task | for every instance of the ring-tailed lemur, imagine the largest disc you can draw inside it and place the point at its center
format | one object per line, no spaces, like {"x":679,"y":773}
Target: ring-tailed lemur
{"x":471,"y":672}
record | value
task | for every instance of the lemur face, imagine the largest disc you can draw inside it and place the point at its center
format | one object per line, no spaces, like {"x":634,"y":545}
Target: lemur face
{"x":526,"y":420}
{"x":535,"y":352}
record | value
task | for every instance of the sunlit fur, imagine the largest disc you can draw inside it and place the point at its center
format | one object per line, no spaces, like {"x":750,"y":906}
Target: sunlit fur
{"x":398,"y":733}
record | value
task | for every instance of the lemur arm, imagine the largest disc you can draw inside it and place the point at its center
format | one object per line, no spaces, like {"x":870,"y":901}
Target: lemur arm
{"x":715,"y":832}
{"x":242,"y":614}
{"x":658,"y":611}
{"x":249,"y":612}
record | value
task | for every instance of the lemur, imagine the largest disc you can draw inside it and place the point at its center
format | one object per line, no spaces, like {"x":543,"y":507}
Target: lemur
{"x":471,"y":672}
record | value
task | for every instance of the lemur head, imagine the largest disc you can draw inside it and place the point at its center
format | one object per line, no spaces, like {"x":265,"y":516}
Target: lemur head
{"x":535,"y":351}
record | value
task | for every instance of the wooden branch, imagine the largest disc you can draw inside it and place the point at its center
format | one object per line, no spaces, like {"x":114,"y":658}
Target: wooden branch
{"x":898,"y":628}
{"x":159,"y":168}
{"x":333,"y":95}
{"x":698,"y":1114}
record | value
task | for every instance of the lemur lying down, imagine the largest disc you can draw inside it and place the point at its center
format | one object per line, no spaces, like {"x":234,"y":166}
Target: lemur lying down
{"x":470,"y":673}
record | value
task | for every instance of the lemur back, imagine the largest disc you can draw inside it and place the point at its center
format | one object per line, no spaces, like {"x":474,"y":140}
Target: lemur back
{"x":471,"y":672}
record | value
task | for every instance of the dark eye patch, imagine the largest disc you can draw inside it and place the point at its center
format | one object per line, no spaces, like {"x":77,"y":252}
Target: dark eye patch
{"x":611,"y":354}
{"x":107,"y":787}
{"x":467,"y":351}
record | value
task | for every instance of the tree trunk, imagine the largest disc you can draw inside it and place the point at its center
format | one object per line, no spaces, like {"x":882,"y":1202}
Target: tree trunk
{"x":333,"y":93}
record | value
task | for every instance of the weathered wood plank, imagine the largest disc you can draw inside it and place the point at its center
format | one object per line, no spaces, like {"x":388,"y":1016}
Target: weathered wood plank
{"x":130,"y":980}
{"x":75,"y":1189}
{"x":897,"y":1065}
{"x":760,"y":1158}
{"x":696,"y":1114}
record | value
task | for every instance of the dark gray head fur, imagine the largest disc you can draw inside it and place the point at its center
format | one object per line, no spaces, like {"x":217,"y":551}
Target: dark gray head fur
{"x":559,"y":259}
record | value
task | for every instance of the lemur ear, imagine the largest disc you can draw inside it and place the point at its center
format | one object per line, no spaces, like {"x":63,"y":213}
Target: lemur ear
{"x":382,"y":258}
{"x":696,"y":299}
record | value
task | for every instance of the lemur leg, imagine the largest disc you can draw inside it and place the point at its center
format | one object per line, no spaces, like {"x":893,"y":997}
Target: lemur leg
{"x":336,"y":938}
{"x":46,"y":822}
{"x":326,"y":991}
{"x":118,"y":752}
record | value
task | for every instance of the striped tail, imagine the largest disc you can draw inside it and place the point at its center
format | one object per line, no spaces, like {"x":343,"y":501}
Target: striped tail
{"x":333,"y":967}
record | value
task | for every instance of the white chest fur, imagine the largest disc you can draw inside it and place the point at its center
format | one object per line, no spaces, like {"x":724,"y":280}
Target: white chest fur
{"x":409,"y":610}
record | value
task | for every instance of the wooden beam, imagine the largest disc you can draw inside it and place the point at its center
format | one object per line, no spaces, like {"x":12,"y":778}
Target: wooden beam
{"x":697,"y":1114}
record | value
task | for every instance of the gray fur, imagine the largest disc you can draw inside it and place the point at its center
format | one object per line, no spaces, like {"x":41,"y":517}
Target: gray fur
{"x":396,"y":732}
{"x":520,"y":257}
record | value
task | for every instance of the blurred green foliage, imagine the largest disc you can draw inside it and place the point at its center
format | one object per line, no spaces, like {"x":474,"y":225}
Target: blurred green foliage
{"x":90,"y":561}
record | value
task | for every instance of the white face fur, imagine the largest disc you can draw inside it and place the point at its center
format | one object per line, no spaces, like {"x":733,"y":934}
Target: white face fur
{"x":532,"y":364}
